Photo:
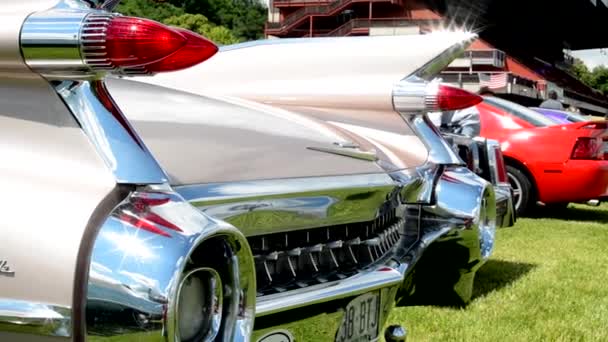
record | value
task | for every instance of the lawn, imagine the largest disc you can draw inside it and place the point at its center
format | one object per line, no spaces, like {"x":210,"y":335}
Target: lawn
{"x":547,"y":281}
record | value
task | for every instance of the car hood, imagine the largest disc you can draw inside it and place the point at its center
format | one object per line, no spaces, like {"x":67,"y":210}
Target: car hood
{"x":202,"y":139}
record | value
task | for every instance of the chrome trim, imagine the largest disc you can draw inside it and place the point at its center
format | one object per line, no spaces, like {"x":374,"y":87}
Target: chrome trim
{"x":440,"y":152}
{"x":109,"y":131}
{"x":50,"y":42}
{"x":92,"y":45}
{"x":380,"y":277}
{"x":107,"y":5}
{"x":35,"y":318}
{"x":347,"y":152}
{"x":282,"y":205}
{"x":410,"y":96}
{"x":466,"y":202}
{"x":135,"y":273}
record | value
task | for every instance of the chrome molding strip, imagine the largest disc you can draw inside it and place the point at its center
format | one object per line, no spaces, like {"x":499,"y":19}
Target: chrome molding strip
{"x":282,"y":205}
{"x":380,"y":277}
{"x":347,"y":152}
{"x":35,"y":318}
{"x":110,"y":132}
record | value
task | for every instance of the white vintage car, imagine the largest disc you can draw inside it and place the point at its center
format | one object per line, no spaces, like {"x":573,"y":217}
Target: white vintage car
{"x":165,"y":212}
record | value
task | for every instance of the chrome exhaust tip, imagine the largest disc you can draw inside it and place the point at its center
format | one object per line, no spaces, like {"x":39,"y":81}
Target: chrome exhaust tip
{"x":594,"y":202}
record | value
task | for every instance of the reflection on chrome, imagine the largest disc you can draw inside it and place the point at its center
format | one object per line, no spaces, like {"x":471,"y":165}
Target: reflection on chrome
{"x":269,"y":206}
{"x":121,"y":149}
{"x":154,"y":246}
{"x":35,"y":318}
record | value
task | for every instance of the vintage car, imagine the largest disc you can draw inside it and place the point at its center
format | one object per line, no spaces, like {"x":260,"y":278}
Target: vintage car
{"x":484,"y":157}
{"x":167,"y":215}
{"x":325,"y":131}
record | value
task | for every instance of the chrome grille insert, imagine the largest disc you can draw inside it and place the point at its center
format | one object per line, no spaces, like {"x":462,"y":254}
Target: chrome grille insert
{"x":292,"y":260}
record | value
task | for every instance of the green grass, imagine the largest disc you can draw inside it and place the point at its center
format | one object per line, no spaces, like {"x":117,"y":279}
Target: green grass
{"x":547,"y":281}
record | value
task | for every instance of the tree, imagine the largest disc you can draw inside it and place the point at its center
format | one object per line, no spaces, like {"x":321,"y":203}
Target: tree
{"x":245,"y":18}
{"x":599,"y":79}
{"x":580,"y":70}
{"x":200,"y":24}
{"x":149,"y":9}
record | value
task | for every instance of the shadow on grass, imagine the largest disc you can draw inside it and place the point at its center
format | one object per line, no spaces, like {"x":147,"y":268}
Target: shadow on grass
{"x":493,"y":276}
{"x":573,"y":213}
{"x":497,"y":274}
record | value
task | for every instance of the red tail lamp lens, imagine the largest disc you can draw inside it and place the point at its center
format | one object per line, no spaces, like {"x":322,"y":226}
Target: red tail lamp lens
{"x":133,"y":41}
{"x":452,"y":98}
{"x":500,"y":166}
{"x":140,"y":46}
{"x":196,"y":50}
{"x":587,"y":148}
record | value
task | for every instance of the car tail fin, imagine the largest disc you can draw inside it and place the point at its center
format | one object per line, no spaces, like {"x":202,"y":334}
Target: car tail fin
{"x":337,"y":72}
{"x":76,"y":44}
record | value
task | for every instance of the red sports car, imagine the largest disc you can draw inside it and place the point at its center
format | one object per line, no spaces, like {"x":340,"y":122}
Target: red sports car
{"x":547,"y":163}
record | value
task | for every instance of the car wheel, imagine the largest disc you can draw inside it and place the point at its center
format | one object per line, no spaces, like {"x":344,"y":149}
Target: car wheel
{"x":522,"y":189}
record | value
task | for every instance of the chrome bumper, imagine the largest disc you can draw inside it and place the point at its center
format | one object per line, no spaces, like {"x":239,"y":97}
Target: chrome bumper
{"x":316,"y":312}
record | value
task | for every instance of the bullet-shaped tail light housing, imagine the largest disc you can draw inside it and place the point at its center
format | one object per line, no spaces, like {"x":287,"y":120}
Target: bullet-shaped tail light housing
{"x":413,"y":96}
{"x":89,"y":43}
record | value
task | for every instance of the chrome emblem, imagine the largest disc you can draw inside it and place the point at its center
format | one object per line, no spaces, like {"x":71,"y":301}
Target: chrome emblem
{"x":5,"y":269}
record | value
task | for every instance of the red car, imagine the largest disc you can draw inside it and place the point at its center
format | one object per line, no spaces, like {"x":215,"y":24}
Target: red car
{"x":547,"y":163}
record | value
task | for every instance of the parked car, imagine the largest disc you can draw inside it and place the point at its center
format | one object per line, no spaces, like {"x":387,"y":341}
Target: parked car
{"x":484,"y":157}
{"x":361,"y":116}
{"x":561,"y":116}
{"x":209,"y":213}
{"x":549,"y":163}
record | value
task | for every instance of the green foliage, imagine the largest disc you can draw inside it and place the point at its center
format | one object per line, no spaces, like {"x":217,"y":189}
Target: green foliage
{"x":580,"y":70}
{"x":596,"y":78}
{"x":227,"y":21}
{"x":149,"y":9}
{"x":599,"y":79}
{"x":200,"y":24}
{"x":244,"y":17}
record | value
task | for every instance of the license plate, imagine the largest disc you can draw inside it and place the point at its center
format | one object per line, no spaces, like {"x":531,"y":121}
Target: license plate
{"x":360,"y":322}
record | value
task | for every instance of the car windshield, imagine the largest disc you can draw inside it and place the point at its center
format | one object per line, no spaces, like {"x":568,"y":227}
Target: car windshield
{"x":526,"y":114}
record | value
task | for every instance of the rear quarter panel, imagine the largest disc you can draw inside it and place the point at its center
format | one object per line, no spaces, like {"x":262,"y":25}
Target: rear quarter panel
{"x":51,"y":177}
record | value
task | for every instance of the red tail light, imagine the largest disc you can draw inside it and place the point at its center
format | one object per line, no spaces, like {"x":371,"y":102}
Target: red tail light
{"x":196,"y":50}
{"x":587,"y":148}
{"x":414,"y":95}
{"x":500,"y":166}
{"x":88,"y":43}
{"x":139,"y":213}
{"x":140,"y":45}
{"x":452,"y":98}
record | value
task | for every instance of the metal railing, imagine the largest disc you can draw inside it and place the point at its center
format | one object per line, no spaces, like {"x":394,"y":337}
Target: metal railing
{"x":493,"y":57}
{"x":298,"y":2}
{"x":353,"y":24}
{"x":321,"y":10}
